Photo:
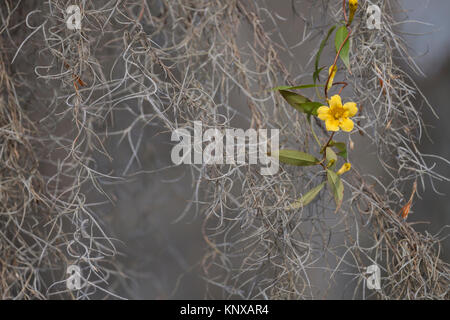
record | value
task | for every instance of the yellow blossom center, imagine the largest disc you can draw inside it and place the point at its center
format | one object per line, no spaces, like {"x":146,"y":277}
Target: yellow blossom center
{"x":337,"y":116}
{"x":337,"y":113}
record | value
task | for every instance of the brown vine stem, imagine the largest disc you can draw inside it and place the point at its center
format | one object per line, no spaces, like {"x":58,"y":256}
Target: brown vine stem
{"x":327,"y":144}
{"x":344,"y":84}
{"x":335,"y":60}
{"x":329,"y":140}
{"x":345,"y":13}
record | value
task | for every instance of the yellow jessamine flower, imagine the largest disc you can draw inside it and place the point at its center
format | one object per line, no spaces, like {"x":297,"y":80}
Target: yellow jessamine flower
{"x":345,"y":167}
{"x":337,"y":115}
{"x":353,"y":4}
{"x":332,"y":73}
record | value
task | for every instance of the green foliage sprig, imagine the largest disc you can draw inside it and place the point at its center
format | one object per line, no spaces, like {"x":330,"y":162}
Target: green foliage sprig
{"x":335,"y":115}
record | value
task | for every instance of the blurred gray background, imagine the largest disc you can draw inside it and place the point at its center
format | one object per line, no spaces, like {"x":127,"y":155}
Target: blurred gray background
{"x":428,"y":35}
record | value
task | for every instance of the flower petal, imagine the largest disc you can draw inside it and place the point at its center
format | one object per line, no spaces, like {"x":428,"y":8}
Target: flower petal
{"x":336,"y":102}
{"x":346,"y":125}
{"x":332,"y":125}
{"x":323,"y":113}
{"x":351,"y":108}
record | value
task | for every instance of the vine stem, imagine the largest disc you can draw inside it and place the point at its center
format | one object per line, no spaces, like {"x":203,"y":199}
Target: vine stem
{"x":329,"y":140}
{"x":336,"y":58}
{"x":314,"y":134}
{"x":324,"y":149}
{"x":344,"y":84}
{"x":345,"y":12}
{"x":327,"y":144}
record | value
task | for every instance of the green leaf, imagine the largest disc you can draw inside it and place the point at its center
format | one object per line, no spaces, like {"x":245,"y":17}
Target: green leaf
{"x":307,"y":198}
{"x":316,"y":74}
{"x":310,"y":107}
{"x":342,"y":147}
{"x":294,"y":99}
{"x":331,"y":157}
{"x":294,"y":157}
{"x":301,"y":103}
{"x":322,"y":46}
{"x":305,"y":86}
{"x":341,"y":35}
{"x":336,"y":186}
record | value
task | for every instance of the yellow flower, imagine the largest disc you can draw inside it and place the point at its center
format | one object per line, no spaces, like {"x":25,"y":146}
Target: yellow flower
{"x":353,"y":4}
{"x":345,"y":167}
{"x":337,"y":115}
{"x":332,"y":73}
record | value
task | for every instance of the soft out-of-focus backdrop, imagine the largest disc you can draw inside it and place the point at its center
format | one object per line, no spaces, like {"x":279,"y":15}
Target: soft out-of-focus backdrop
{"x":428,"y":35}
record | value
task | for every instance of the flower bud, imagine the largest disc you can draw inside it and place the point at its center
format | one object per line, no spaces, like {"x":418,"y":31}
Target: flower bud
{"x":332,"y":73}
{"x":345,"y":167}
{"x":353,"y":5}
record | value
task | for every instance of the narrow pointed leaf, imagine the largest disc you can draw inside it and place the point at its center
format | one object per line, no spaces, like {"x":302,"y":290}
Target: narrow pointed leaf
{"x":294,"y":99}
{"x":307,"y":198}
{"x":295,"y":158}
{"x":311,"y":107}
{"x":331,"y":157}
{"x":319,"y":53}
{"x":337,"y":187}
{"x":317,"y":73}
{"x":342,"y":147}
{"x":305,"y":86}
{"x":301,"y":103}
{"x":341,"y":35}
